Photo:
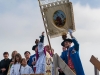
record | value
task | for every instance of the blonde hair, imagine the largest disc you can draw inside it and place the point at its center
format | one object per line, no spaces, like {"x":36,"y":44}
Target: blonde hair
{"x":23,"y":59}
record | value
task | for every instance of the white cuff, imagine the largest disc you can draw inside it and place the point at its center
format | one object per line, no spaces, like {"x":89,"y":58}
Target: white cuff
{"x":70,"y":31}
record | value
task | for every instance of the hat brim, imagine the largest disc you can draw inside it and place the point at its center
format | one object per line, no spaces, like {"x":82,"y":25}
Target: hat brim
{"x":69,"y":40}
{"x":33,"y":48}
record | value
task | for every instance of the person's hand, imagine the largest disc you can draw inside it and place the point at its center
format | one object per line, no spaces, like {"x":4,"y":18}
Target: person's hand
{"x":3,"y":69}
{"x":11,"y":63}
{"x":63,"y":48}
{"x":60,"y":70}
{"x":33,"y":63}
{"x":70,"y":31}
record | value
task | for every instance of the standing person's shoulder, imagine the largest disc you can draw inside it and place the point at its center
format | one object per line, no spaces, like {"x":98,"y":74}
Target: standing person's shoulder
{"x":9,"y":59}
{"x":1,"y":60}
{"x":32,"y":55}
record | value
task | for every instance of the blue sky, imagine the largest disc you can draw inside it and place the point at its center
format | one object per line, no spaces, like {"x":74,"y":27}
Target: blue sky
{"x":6,"y":5}
{"x":21,"y":23}
{"x":91,"y":3}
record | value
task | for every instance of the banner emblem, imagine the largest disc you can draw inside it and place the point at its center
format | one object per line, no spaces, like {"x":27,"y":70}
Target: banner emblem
{"x":59,"y":18}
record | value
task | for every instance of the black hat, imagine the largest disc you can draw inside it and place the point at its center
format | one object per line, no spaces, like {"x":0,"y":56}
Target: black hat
{"x":69,"y":40}
{"x":33,"y":48}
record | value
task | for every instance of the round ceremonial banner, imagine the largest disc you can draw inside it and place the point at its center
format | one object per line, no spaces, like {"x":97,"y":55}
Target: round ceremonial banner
{"x":59,"y":18}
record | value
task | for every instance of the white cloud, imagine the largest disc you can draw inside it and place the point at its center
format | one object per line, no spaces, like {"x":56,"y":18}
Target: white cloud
{"x":20,"y":26}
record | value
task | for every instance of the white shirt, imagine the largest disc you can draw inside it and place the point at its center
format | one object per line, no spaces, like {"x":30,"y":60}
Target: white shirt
{"x":15,"y":69}
{"x":26,"y":70}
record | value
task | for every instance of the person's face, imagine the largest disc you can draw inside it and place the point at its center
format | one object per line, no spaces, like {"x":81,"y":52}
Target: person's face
{"x":24,"y":62}
{"x":27,"y":55}
{"x":47,"y":48}
{"x":67,"y":44}
{"x":17,"y":58}
{"x":5,"y":56}
{"x":15,"y":53}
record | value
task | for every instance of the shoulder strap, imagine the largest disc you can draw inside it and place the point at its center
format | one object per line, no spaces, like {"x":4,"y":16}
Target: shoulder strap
{"x":20,"y":68}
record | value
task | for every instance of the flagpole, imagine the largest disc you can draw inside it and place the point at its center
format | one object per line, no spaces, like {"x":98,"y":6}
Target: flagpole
{"x":44,"y":24}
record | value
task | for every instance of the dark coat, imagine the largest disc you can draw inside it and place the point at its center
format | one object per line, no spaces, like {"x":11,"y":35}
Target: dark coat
{"x":4,"y":64}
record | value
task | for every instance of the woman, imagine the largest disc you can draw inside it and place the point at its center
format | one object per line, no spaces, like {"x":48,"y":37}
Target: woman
{"x":11,"y":61}
{"x":12,"y":57}
{"x":15,"y":68}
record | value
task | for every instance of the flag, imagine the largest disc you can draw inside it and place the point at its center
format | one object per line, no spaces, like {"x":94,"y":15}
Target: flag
{"x":58,"y":18}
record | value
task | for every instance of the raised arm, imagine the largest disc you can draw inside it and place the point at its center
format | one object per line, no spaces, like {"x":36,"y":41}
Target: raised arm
{"x":41,"y":43}
{"x":42,"y":38}
{"x":76,"y":44}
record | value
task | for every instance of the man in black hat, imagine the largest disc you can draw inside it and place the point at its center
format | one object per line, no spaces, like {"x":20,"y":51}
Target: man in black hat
{"x":71,"y":55}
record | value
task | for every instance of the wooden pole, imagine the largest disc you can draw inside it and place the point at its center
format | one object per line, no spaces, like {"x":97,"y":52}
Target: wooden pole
{"x":44,"y":24}
{"x":96,"y":71}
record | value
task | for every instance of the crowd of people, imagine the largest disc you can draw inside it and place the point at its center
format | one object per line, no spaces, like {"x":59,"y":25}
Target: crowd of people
{"x":36,"y":63}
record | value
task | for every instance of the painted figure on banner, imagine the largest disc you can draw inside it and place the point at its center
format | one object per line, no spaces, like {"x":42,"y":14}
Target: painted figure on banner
{"x":71,"y":55}
{"x":59,"y":18}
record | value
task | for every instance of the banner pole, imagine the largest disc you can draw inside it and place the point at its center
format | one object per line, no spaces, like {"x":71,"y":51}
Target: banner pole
{"x":44,"y":24}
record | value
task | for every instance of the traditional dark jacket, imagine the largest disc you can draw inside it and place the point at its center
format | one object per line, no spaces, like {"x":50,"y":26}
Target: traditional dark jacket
{"x":74,"y":55}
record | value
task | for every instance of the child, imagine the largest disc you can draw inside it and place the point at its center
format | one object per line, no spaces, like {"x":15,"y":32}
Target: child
{"x":25,"y":69}
{"x":15,"y":68}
